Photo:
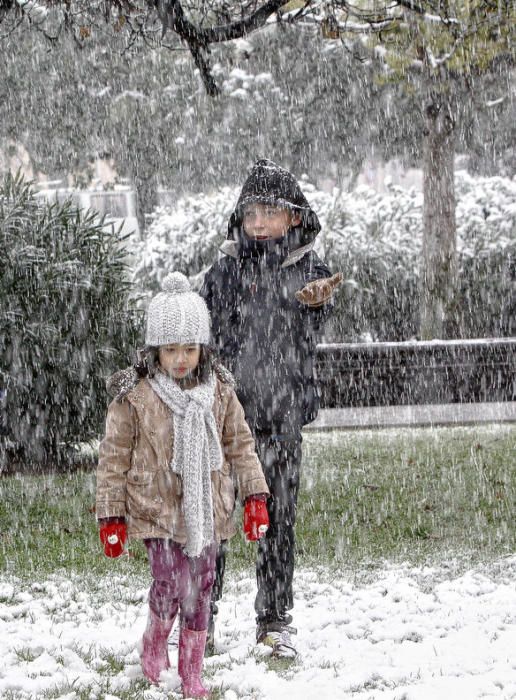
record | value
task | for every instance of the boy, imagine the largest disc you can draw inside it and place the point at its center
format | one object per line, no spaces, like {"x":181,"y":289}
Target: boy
{"x":268,"y":297}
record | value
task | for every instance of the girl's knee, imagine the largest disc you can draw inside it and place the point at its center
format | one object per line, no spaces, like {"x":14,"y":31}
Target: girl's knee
{"x":210,"y":579}
{"x":206,"y":581}
{"x":174,"y":586}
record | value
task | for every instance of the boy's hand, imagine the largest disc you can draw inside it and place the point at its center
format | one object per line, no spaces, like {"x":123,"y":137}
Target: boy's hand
{"x":113,"y":536}
{"x":256,"y":517}
{"x":320,"y":291}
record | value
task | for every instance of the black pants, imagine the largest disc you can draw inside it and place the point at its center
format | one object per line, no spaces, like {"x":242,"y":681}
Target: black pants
{"x":281,"y":461}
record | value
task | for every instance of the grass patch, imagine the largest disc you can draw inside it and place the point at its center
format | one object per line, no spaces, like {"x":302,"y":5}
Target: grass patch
{"x":409,"y":494}
{"x":412,"y":494}
{"x":111,"y":664}
{"x":136,"y":691}
{"x":47,"y":522}
{"x":25,"y":654}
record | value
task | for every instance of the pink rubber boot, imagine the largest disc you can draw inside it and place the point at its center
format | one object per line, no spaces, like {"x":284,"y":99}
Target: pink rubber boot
{"x":154,"y":658}
{"x":191,"y":657}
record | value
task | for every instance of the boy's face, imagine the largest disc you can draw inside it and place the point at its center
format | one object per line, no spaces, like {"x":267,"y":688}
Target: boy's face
{"x":179,"y":361}
{"x":265,"y":222}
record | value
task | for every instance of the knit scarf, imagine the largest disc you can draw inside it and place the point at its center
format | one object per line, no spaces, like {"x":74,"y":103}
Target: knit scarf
{"x":196,"y":453}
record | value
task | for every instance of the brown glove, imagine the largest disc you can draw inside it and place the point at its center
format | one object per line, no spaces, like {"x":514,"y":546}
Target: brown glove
{"x":318,"y":292}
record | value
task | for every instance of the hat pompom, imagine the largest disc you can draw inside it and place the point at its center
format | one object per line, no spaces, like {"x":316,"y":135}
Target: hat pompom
{"x":176,"y":283}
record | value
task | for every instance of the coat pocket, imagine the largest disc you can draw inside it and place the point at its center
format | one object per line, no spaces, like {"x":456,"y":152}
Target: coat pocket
{"x":170,"y":485}
{"x":143,"y":499}
{"x":225,"y":490}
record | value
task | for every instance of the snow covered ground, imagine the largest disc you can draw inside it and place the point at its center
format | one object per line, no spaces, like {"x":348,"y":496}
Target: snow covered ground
{"x":402,"y":633}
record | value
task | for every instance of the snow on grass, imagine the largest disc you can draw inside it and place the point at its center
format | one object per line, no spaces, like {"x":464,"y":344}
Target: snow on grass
{"x":400,"y":633}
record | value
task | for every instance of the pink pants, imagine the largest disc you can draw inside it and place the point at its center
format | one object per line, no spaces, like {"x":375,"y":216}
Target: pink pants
{"x":181,"y":582}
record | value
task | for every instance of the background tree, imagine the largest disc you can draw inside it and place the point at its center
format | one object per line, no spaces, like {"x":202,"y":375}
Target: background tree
{"x":148,"y":112}
{"x":435,"y":48}
{"x":310,"y":104}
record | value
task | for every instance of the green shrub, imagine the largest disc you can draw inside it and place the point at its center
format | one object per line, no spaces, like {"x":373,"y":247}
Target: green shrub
{"x":65,"y":322}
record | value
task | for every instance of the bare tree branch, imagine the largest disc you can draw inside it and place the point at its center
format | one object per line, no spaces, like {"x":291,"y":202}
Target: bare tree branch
{"x":173,"y":16}
{"x":412,"y":6}
{"x":145,"y":19}
{"x":198,"y":39}
{"x":204,"y":69}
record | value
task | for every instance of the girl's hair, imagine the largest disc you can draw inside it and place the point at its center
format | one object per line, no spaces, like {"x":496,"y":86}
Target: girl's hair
{"x":148,"y":361}
{"x":204,"y":369}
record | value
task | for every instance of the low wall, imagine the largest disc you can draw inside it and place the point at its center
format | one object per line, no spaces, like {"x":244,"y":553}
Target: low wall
{"x":414,"y":373}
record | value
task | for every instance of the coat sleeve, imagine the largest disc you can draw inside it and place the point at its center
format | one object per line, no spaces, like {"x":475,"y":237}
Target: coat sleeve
{"x":316,"y":269}
{"x":239,"y":451}
{"x":219,"y":293}
{"x":115,"y":453}
{"x":212,"y":298}
{"x":206,"y":290}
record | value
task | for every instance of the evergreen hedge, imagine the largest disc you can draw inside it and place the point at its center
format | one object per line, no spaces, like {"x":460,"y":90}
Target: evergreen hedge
{"x":66,"y":321}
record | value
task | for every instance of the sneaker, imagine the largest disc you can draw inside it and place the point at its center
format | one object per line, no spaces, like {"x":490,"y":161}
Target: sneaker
{"x":277,"y":636}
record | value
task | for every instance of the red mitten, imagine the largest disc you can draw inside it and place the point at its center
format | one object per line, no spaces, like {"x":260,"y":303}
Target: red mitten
{"x":113,"y":536}
{"x":256,"y":517}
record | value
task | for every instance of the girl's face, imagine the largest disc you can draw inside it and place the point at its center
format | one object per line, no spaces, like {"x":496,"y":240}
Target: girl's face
{"x":179,"y":361}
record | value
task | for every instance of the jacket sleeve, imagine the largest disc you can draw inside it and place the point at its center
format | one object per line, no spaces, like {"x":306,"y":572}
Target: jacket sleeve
{"x":206,"y":290}
{"x":239,"y":451}
{"x":115,"y":453}
{"x":218,"y":291}
{"x":316,"y":269}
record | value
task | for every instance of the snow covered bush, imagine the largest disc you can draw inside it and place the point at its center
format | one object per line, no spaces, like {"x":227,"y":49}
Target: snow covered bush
{"x":185,"y":238}
{"x":376,"y":240}
{"x":65,"y":323}
{"x":486,"y":231}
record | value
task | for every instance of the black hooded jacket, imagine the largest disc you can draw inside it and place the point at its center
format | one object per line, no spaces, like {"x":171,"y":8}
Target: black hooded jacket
{"x":261,"y":332}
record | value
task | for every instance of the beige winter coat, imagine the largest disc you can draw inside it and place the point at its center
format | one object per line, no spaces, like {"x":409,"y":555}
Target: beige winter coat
{"x":134,"y":479}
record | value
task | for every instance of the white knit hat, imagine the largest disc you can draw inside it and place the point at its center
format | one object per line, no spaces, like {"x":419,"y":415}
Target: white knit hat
{"x":177,"y":315}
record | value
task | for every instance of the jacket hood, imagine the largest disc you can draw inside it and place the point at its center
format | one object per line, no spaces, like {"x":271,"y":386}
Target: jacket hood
{"x":269,"y":183}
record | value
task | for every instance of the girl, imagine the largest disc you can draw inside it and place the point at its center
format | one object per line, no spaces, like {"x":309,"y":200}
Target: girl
{"x":165,"y":475}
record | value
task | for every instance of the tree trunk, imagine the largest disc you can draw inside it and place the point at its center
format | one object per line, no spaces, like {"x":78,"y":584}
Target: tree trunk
{"x":146,"y":199}
{"x":439,"y":260}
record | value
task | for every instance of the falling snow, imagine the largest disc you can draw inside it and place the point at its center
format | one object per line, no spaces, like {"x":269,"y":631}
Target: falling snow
{"x":95,"y":111}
